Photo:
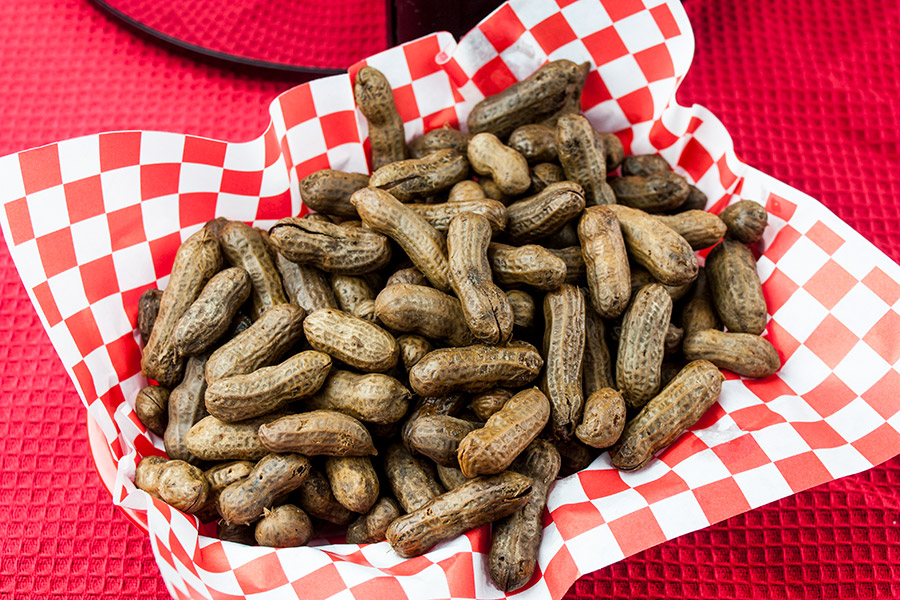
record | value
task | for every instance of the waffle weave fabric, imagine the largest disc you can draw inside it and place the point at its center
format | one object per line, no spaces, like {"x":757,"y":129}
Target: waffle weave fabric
{"x":806,"y":93}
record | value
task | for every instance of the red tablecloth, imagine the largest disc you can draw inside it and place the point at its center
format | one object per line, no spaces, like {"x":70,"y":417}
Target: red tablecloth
{"x":810,"y":93}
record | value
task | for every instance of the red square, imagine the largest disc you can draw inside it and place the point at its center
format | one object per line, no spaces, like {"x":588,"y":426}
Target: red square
{"x":824,"y":237}
{"x":656,"y":63}
{"x":99,"y":277}
{"x":831,"y":341}
{"x":440,"y":118}
{"x":637,"y":106}
{"x":245,"y":183}
{"x":297,"y":106}
{"x":159,"y":180}
{"x":320,"y":584}
{"x":574,"y":519}
{"x":686,"y":446}
{"x":880,"y":445}
{"x":694,"y":124}
{"x":717,"y":207}
{"x":493,"y":77}
{"x":884,"y":337}
{"x":163,"y":252}
{"x":830,"y":284}
{"x":695,"y":159}
{"x":85,"y":381}
{"x":40,"y":168}
{"x":882,"y":285}
{"x":196,"y":207}
{"x":503,"y":28}
{"x":19,"y":221}
{"x":594,"y":91}
{"x":48,"y":305}
{"x":126,"y":227}
{"x":458,"y":77}
{"x":818,"y":434}
{"x":665,"y":21}
{"x":830,"y":396}
{"x":781,"y":208}
{"x":407,"y":107}
{"x":726,"y":175}
{"x":553,"y":33}
{"x":312,"y":165}
{"x":273,"y":147}
{"x":561,"y":573}
{"x":710,"y":417}
{"x":408,"y":567}
{"x":340,"y":128}
{"x":420,"y":56}
{"x":883,"y":395}
{"x":261,"y":574}
{"x":119,"y":150}
{"x":741,"y":454}
{"x":661,"y":137}
{"x":204,"y":151}
{"x":130,"y":300}
{"x":784,"y":241}
{"x":755,"y":418}
{"x":274,"y":207}
{"x":666,"y":486}
{"x":605,"y":46}
{"x":619,"y":9}
{"x":379,"y":587}
{"x":768,"y":388}
{"x":565,"y":3}
{"x":637,"y":531}
{"x":600,"y":484}
{"x":803,"y":471}
{"x":777,"y":290}
{"x":721,"y":499}
{"x":57,"y":252}
{"x":460,"y":575}
{"x":84,"y":331}
{"x":84,"y":198}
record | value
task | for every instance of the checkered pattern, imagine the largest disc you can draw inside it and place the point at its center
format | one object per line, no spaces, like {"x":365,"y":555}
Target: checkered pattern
{"x":93,"y":222}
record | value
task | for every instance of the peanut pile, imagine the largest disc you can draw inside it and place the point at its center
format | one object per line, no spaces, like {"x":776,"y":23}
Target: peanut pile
{"x":440,"y":340}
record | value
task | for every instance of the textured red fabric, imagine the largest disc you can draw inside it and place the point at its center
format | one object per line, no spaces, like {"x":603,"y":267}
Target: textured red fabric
{"x":810,"y":93}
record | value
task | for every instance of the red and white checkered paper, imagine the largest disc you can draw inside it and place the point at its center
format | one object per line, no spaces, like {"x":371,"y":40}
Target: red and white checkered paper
{"x":94,"y":221}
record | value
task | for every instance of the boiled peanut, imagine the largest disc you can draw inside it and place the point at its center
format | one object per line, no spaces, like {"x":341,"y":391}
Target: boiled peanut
{"x":306,"y":286}
{"x":375,"y":100}
{"x":536,"y":142}
{"x":152,"y":408}
{"x":666,"y":416}
{"x":414,"y":178}
{"x":564,"y":332}
{"x":699,"y":313}
{"x":412,"y":349}
{"x":699,"y":228}
{"x":492,"y":190}
{"x":667,"y":255}
{"x":659,"y":192}
{"x":545,"y":174}
{"x":373,"y":397}
{"x":572,"y":105}
{"x":186,"y":407}
{"x":440,"y":215}
{"x":576,"y":271}
{"x":284,"y":526}
{"x":148,"y":308}
{"x":354,"y":296}
{"x":507,"y":168}
{"x":745,"y":221}
{"x":466,"y":190}
{"x":413,"y":482}
{"x":696,"y":200}
{"x":438,"y":437}
{"x":449,"y":404}
{"x":742,"y":353}
{"x":353,"y":480}
{"x":641,"y":277}
{"x":450,"y":477}
{"x":439,"y":139}
{"x":582,"y":157}
{"x":523,"y":308}
{"x":317,"y":433}
{"x":735,"y":287}
{"x":604,"y":418}
{"x":219,"y":477}
{"x":643,"y":165}
{"x":371,"y":527}
{"x":487,"y":403}
{"x":209,"y":316}
{"x":213,"y":439}
{"x":642,"y":344}
{"x":146,"y":474}
{"x":475,"y":369}
{"x":544,"y":213}
{"x":606,"y":262}
{"x":175,"y":482}
{"x":328,"y":191}
{"x":409,"y":275}
{"x":358,"y":343}
{"x":425,"y":311}
{"x":244,"y":501}
{"x":598,"y":366}
{"x":244,"y":247}
{"x":316,"y":498}
{"x":330,"y":247}
{"x":612,"y":146}
{"x":530,"y":264}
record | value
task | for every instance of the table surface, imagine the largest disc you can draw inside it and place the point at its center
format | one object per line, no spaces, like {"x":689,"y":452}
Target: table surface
{"x":811,"y":96}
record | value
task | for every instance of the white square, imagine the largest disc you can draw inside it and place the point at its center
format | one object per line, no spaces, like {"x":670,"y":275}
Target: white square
{"x":763,"y":485}
{"x":575,"y":51}
{"x":594,"y":549}
{"x":79,"y":158}
{"x":352,"y":573}
{"x":639,"y":32}
{"x":109,"y":314}
{"x":431,"y":582}
{"x":161,"y":147}
{"x":332,"y":94}
{"x":653,"y":471}
{"x":350,"y":158}
{"x":224,"y":582}
{"x":531,"y":13}
{"x":48,"y":210}
{"x":800,"y":315}
{"x":68,"y":292}
{"x":121,"y":187}
{"x":433,"y":93}
{"x":861,"y":368}
{"x":679,"y":514}
{"x":13,"y":187}
{"x":274,"y":182}
{"x":302,"y":562}
{"x":622,"y":76}
{"x":662,"y":92}
{"x":721,"y":432}
{"x":237,"y":208}
{"x":393,"y":64}
{"x":859,"y":310}
{"x":64,"y":345}
{"x":585,"y":17}
{"x":618,"y":505}
{"x":701,"y":468}
{"x":160,"y":216}
{"x":305,"y":141}
{"x":247,"y":156}
{"x":134,"y":266}
{"x":91,"y":239}
{"x":855,"y":256}
{"x":736,"y":396}
{"x":794,"y":409}
{"x":101,"y":369}
{"x":199,"y":178}
{"x":855,"y":420}
{"x":524,"y":57}
{"x":802,"y":261}
{"x":565,"y":491}
{"x":28,"y":262}
{"x":607,"y":116}
{"x":474,"y":51}
{"x":780,"y":441}
{"x":803,"y":371}
{"x":414,"y":128}
{"x":843,"y":460}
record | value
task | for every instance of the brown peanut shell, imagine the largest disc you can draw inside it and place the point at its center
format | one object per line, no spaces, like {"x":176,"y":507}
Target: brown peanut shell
{"x":284,"y":526}
{"x":642,"y":345}
{"x":328,"y":191}
{"x":330,"y":247}
{"x":354,"y":296}
{"x":306,"y":287}
{"x":186,"y":407}
{"x":318,"y":433}
{"x":475,"y":369}
{"x":208,"y":318}
{"x":745,"y":221}
{"x":642,"y":165}
{"x":412,"y":349}
{"x":506,"y":167}
{"x":544,"y":213}
{"x":523,"y":308}
{"x":412,"y":481}
{"x":487,"y":403}
{"x":564,"y":333}
{"x":371,"y":527}
{"x":438,"y":437}
{"x":536,"y":142}
{"x":244,"y":501}
{"x":370,"y":397}
{"x":667,"y":255}
{"x":353,"y":480}
{"x":742,"y":353}
{"x":439,"y":215}
{"x":605,"y":260}
{"x":425,"y":311}
{"x":415,"y":178}
{"x":375,"y":100}
{"x":360,"y":344}
{"x":152,"y":408}
{"x":597,"y":365}
{"x":316,"y":498}
{"x":582,"y":157}
{"x":148,"y":308}
{"x":658,"y":192}
{"x":699,"y":313}
{"x":699,"y":228}
{"x":735,"y":288}
{"x":439,"y":139}
{"x":545,"y":174}
{"x":245,"y":248}
{"x":530,"y":265}
{"x":604,"y":419}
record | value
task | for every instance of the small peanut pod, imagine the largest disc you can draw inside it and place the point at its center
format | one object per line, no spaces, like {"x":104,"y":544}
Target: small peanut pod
{"x":745,"y":221}
{"x":545,"y":174}
{"x":516,"y":539}
{"x":148,"y":308}
{"x":196,"y":261}
{"x":354,"y":296}
{"x":681,"y":404}
{"x":152,"y":408}
{"x":425,"y":311}
{"x":699,"y":313}
{"x":735,"y":287}
{"x":700,"y":228}
{"x":372,"y":397}
{"x":244,"y":247}
{"x":284,"y":526}
{"x":582,"y":157}
{"x":413,"y":482}
{"x":642,"y":345}
{"x":564,"y":318}
{"x":536,"y":142}
{"x":530,"y":265}
{"x":544,"y":213}
{"x":487,"y":403}
{"x":439,"y":139}
{"x":448,"y":404}
{"x":696,"y":200}
{"x":267,"y":389}
{"x":528,"y":101}
{"x":371,"y":527}
{"x":316,"y":498}
{"x":606,"y":262}
{"x":375,"y":100}
{"x":612,"y":146}
{"x":475,"y":369}
{"x":523,"y":308}
{"x":219,"y":477}
{"x":318,"y":433}
{"x":186,"y":407}
{"x":175,"y":482}
{"x":485,"y":307}
{"x":492,"y":190}
{"x":424,"y":244}
{"x":641,"y":277}
{"x":412,"y":349}
{"x":306,"y":286}
{"x":261,"y":344}
{"x":509,"y":169}
{"x":473,"y":504}
{"x":604,"y":419}
{"x":505,"y":435}
{"x":358,"y":343}
{"x":353,"y":480}
{"x":409,"y":275}
{"x":414,"y":178}
{"x":439,"y":215}
{"x":656,"y":246}
{"x":576,"y":270}
{"x":328,"y":191}
{"x":209,"y":316}
{"x":330,"y":247}
{"x":438,"y":437}
{"x":466,"y":190}
{"x":742,"y":353}
{"x":598,"y":366}
{"x":643,"y":165}
{"x":244,"y":501}
{"x":659,"y":192}
{"x":213,"y":439}
{"x":450,"y":477}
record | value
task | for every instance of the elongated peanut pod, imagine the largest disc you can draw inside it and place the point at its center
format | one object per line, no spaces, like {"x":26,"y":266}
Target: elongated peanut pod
{"x":642,"y":344}
{"x":438,"y":437}
{"x":735,"y":287}
{"x":425,"y":311}
{"x":306,"y":286}
{"x":536,"y":142}
{"x":606,"y":262}
{"x":353,"y":481}
{"x":742,"y":353}
{"x":360,"y":344}
{"x":582,"y":157}
{"x":439,"y":139}
{"x":244,"y":247}
{"x":544,"y":213}
{"x":475,"y":369}
{"x":214,"y":439}
{"x":530,"y":265}
{"x":148,"y":309}
{"x":656,"y":246}
{"x":604,"y":419}
{"x":330,"y":247}
{"x":375,"y":100}
{"x":699,"y":228}
{"x":413,"y":482}
{"x":372,"y":527}
{"x":328,"y":191}
{"x":415,"y":178}
{"x":316,"y":498}
{"x":598,"y":366}
{"x":699,"y":313}
{"x":439,"y":215}
{"x":509,"y":169}
{"x":659,"y":192}
{"x":209,"y":316}
{"x":186,"y":407}
{"x":354,"y":295}
{"x":318,"y":433}
{"x":245,"y":501}
{"x":370,"y":397}
{"x":564,"y":313}
{"x":745,"y":221}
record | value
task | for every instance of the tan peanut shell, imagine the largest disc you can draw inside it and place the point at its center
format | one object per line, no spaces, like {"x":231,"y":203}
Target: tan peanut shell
{"x":213,"y":439}
{"x":658,"y":192}
{"x":475,"y":369}
{"x":148,"y":308}
{"x":572,"y":105}
{"x":146,"y":474}
{"x":438,"y":437}
{"x":492,"y":190}
{"x":742,"y":353}
{"x":475,"y":503}
{"x":439,"y":139}
{"x":466,"y":190}
{"x":582,"y":157}
{"x":735,"y":287}
{"x":219,"y":477}
{"x":642,"y":344}
{"x":330,"y":247}
{"x":305,"y":286}
{"x":597,"y":366}
{"x":358,"y":343}
{"x":186,"y":407}
{"x":641,"y":277}
{"x":523,"y":308}
{"x":544,"y":174}
{"x":536,"y":142}
{"x":407,"y":180}
{"x":152,"y":408}
{"x":354,"y":296}
{"x":745,"y":221}
{"x":448,"y":404}
{"x":318,"y":433}
{"x":209,"y":316}
{"x":370,"y":397}
{"x":699,"y":313}
{"x":375,"y":100}
{"x":450,"y":477}
{"x":643,"y":165}
{"x":424,"y":245}
{"x":328,"y":191}
{"x":696,"y":200}
{"x":699,"y":228}
{"x":530,"y":265}
{"x":439,"y":215}
{"x":656,"y":246}
{"x":284,"y":526}
{"x":409,"y":275}
{"x":487,"y":403}
{"x":606,"y":261}
{"x":515,"y":539}
{"x":245,"y":248}
{"x":196,"y":261}
{"x":604,"y":419}
{"x":506,"y":167}
{"x":564,"y":332}
{"x":666,"y":416}
{"x":412,"y":481}
{"x":244,"y":501}
{"x":544,"y":213}
{"x":412,"y":349}
{"x":425,"y":311}
{"x":175,"y":482}
{"x":371,"y":527}
{"x":576,"y":270}
{"x":316,"y":498}
{"x":353,"y":480}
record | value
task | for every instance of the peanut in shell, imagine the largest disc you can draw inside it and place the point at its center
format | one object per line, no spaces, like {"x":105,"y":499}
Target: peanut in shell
{"x":605,"y":260}
{"x":530,"y":265}
{"x":330,"y":247}
{"x":412,"y":480}
{"x":318,"y":433}
{"x":306,"y":287}
{"x":438,"y":437}
{"x":375,"y":100}
{"x":212,"y":312}
{"x":544,"y":213}
{"x":564,"y":333}
{"x":416,"y":178}
{"x":735,"y":288}
{"x":370,"y":397}
{"x":475,"y":369}
{"x":658,"y":192}
{"x":425,"y":311}
{"x":656,"y":246}
{"x":506,"y":167}
{"x":353,"y":480}
{"x":745,"y":221}
{"x":244,"y":247}
{"x":285,"y":526}
{"x":371,"y":527}
{"x":245,"y":501}
{"x":186,"y":407}
{"x":582,"y":157}
{"x":439,"y":139}
{"x":152,"y":408}
{"x":604,"y":419}
{"x":358,"y":343}
{"x":742,"y":353}
{"x":642,"y":345}
{"x":328,"y":191}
